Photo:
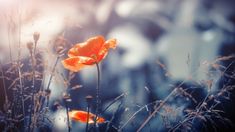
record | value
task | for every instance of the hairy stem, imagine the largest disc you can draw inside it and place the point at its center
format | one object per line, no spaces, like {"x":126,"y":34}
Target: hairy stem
{"x":97,"y":94}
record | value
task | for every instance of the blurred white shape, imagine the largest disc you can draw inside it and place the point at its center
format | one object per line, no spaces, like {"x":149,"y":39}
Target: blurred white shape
{"x":183,"y":48}
{"x":60,"y":120}
{"x":103,"y":11}
{"x":48,"y":26}
{"x":89,"y":74}
{"x":137,"y":8}
{"x":175,"y":48}
{"x":185,"y":16}
{"x":38,"y":16}
{"x":124,"y":8}
{"x":48,"y":20}
{"x":137,"y":47}
{"x":208,"y":36}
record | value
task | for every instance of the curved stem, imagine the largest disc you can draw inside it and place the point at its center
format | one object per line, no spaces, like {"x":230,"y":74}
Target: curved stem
{"x":138,"y":111}
{"x":50,"y":79}
{"x":114,"y":101}
{"x":97,"y":94}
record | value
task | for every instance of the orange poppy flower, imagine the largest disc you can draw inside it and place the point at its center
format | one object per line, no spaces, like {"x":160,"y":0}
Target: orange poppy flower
{"x":87,"y":53}
{"x":81,"y":116}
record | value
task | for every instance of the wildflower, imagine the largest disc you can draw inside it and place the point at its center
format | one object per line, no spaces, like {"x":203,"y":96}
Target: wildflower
{"x":87,"y":53}
{"x":81,"y":116}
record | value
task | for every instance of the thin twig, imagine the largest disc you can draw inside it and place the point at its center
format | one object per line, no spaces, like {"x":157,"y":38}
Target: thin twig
{"x":140,"y":109}
{"x":115,"y":100}
{"x":156,"y":110}
{"x":113,"y":116}
{"x":50,"y":79}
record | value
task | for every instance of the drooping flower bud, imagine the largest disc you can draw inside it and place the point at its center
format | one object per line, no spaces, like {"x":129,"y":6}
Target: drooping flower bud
{"x":47,"y":92}
{"x":67,"y":97}
{"x":89,"y":99}
{"x":59,"y":50}
{"x":30,"y":47}
{"x":36,"y":36}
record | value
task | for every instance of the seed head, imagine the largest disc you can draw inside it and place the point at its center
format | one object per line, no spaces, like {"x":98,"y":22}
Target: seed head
{"x":89,"y":98}
{"x":59,"y":50}
{"x":30,"y":46}
{"x":67,"y":97}
{"x":47,"y":92}
{"x":36,"y":36}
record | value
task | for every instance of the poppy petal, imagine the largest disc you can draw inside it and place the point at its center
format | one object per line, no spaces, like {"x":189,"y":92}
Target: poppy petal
{"x":88,"y":48}
{"x":77,"y":63}
{"x":100,"y":120}
{"x":81,"y":116}
{"x":111,"y":43}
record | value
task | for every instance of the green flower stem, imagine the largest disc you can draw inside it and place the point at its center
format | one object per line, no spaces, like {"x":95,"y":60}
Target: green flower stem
{"x":97,"y":94}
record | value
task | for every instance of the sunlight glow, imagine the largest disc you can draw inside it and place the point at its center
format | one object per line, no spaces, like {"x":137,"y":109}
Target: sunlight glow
{"x":6,"y":3}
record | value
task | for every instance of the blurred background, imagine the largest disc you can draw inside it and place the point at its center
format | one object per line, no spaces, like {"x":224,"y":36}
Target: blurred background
{"x":160,"y":44}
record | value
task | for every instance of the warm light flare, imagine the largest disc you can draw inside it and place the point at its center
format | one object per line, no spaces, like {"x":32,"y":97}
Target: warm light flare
{"x":7,"y":3}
